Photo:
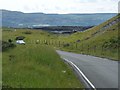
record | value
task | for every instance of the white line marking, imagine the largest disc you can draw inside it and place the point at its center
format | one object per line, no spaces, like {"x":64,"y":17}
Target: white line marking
{"x":81,"y":73}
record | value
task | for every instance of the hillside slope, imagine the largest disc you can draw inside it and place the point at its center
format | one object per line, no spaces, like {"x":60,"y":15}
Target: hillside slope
{"x":101,"y":40}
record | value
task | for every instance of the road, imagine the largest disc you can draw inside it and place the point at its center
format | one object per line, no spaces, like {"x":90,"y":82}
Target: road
{"x":101,"y":72}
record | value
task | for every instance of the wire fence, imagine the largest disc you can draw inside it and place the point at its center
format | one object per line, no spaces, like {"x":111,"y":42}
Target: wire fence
{"x":89,"y":49}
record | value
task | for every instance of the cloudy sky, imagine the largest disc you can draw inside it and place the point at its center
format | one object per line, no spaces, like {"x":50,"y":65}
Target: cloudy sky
{"x":61,"y":6}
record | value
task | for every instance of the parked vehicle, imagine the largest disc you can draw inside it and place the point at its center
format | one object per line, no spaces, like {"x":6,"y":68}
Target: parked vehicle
{"x":20,"y":42}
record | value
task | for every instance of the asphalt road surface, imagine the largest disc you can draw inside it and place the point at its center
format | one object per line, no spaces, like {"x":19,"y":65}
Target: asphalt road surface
{"x":101,"y":72}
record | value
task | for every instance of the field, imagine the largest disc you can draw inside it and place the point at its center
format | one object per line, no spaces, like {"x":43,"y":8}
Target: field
{"x":34,"y":65}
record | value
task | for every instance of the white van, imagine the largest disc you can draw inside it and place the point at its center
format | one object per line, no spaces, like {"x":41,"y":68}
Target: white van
{"x":20,"y":42}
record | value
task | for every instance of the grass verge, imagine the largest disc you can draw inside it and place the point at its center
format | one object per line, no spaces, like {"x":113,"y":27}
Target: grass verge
{"x":36,"y":66}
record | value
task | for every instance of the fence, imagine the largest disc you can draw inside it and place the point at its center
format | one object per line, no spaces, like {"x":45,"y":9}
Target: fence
{"x":80,"y":48}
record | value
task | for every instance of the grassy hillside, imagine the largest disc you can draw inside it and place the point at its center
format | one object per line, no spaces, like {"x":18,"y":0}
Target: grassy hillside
{"x":101,"y":40}
{"x":34,"y":65}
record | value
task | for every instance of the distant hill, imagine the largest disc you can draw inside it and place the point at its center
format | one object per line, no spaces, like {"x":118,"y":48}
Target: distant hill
{"x":20,"y":19}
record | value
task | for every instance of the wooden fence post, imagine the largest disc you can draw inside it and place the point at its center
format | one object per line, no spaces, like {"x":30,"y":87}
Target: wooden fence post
{"x":82,"y":47}
{"x":102,"y":51}
{"x":76,"y":45}
{"x":95,"y":49}
{"x":59,"y":43}
{"x":63,"y":44}
{"x":51,"y":42}
{"x":55,"y":42}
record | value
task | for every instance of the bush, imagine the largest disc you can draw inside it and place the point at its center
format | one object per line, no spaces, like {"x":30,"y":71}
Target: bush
{"x":66,"y":45}
{"x":7,"y":45}
{"x":112,"y":43}
{"x":27,"y":32}
{"x":9,"y":40}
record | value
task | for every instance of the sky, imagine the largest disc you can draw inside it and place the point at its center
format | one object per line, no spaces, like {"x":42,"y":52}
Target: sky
{"x":61,"y":6}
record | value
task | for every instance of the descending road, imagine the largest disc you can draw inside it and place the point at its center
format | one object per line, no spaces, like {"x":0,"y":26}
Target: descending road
{"x":102,"y":73}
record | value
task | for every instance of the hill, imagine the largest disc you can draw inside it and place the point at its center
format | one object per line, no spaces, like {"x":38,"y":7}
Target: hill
{"x":20,"y":19}
{"x":102,"y":40}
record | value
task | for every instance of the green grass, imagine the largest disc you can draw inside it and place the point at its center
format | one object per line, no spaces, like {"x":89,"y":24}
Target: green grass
{"x":87,"y":46}
{"x":35,"y":65}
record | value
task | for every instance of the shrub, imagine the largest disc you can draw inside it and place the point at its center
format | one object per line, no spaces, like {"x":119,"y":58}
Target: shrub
{"x":27,"y":32}
{"x":9,"y":40}
{"x":112,"y":43}
{"x":78,"y":41}
{"x":7,"y":45}
{"x":66,"y":45}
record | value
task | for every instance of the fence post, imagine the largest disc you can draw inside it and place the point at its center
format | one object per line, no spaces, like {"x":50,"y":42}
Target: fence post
{"x":82,"y":47}
{"x":95,"y":49}
{"x":88,"y":49}
{"x":48,"y":42}
{"x":59,"y":43}
{"x":51,"y":42}
{"x":63,"y":44}
{"x":102,"y":50}
{"x":76,"y":45}
{"x":54,"y":42}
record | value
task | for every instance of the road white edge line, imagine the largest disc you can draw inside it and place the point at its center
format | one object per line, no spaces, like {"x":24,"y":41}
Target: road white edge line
{"x":81,"y":73}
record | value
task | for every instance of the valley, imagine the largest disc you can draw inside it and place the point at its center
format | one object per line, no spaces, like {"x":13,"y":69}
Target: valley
{"x":38,"y":61}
